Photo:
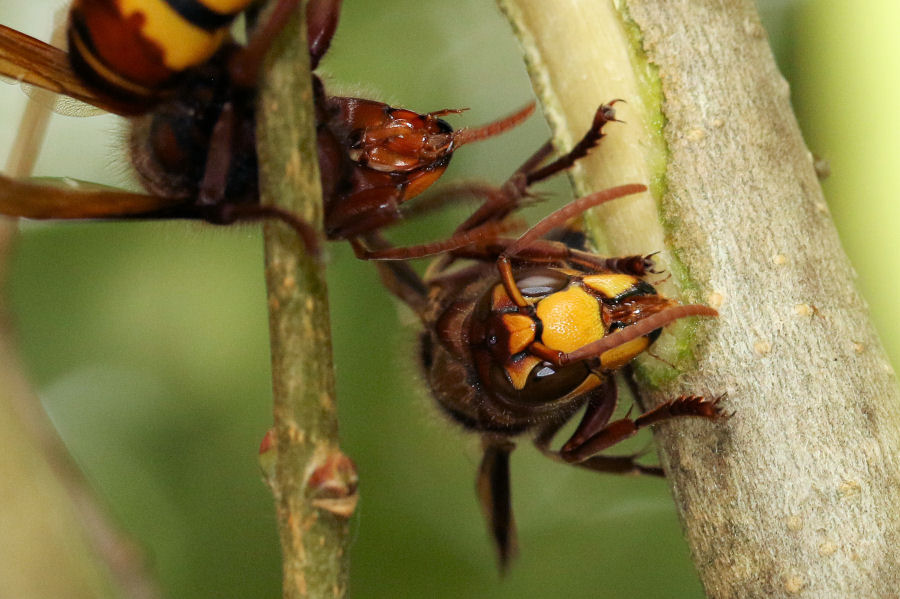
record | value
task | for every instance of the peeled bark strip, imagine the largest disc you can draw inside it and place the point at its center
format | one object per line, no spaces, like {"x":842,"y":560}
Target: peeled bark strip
{"x":313,"y":539}
{"x":797,"y":494}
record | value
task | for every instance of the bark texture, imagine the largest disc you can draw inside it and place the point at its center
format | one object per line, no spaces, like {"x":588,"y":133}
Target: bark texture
{"x":797,"y":494}
{"x":312,"y":482}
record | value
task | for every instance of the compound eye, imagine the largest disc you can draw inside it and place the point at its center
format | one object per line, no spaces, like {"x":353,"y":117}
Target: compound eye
{"x":539,"y":282}
{"x":443,"y":126}
{"x":546,"y":383}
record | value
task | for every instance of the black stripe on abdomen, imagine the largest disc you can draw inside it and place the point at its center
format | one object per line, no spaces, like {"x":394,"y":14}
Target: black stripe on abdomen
{"x":199,"y":15}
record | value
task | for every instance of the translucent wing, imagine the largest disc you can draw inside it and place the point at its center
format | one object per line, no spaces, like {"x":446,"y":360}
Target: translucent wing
{"x":33,"y":62}
{"x":60,"y":104}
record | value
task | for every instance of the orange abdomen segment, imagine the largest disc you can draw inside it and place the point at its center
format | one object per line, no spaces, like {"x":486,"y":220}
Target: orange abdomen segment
{"x":136,"y":47}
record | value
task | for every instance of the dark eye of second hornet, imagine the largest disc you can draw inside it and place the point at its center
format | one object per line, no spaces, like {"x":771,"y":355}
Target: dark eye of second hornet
{"x":539,"y":282}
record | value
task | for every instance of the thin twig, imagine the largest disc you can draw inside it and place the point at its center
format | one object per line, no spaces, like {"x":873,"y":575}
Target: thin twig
{"x":308,"y":469}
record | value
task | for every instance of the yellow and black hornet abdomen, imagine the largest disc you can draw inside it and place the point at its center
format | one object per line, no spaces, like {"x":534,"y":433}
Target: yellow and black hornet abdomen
{"x":135,"y":48}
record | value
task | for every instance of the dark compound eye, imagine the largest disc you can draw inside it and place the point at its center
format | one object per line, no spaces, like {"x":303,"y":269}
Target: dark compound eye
{"x":545,"y":384}
{"x":443,"y":126}
{"x":548,"y":383}
{"x":541,"y":281}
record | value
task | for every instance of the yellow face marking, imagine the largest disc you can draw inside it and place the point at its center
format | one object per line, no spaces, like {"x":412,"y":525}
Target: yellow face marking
{"x":521,"y":331}
{"x":610,"y":284}
{"x":571,"y":319}
{"x":519,"y":370}
{"x":183,"y":44}
{"x":592,"y":381}
{"x":621,"y":355}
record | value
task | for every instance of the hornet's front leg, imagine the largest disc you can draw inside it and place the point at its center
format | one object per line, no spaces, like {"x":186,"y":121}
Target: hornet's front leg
{"x":601,"y":405}
{"x":596,"y":434}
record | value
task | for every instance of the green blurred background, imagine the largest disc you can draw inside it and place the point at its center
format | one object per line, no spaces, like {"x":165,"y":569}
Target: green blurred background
{"x":148,"y":342}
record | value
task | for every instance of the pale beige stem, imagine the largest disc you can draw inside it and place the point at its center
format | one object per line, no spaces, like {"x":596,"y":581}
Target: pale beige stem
{"x":797,"y":494}
{"x":51,"y":521}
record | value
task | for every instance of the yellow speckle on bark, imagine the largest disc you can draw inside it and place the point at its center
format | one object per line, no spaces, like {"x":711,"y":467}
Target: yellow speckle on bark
{"x":794,"y":583}
{"x":762,"y":347}
{"x":848,"y":489}
{"x":803,"y":310}
{"x":827,"y":548}
{"x":696,"y":135}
